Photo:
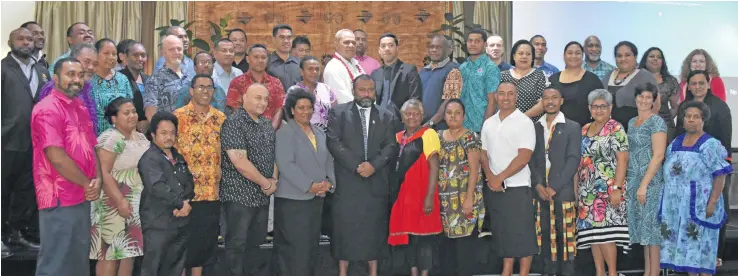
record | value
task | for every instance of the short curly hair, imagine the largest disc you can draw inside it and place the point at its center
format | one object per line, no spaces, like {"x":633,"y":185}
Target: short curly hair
{"x":704,"y":109}
{"x":295,"y":94}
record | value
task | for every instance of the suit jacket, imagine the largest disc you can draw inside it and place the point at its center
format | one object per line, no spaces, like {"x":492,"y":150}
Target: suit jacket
{"x":299,"y":163}
{"x":564,"y":153}
{"x":346,"y":144}
{"x":404,"y":85}
{"x":137,"y":94}
{"x":17,"y":103}
{"x":166,"y":186}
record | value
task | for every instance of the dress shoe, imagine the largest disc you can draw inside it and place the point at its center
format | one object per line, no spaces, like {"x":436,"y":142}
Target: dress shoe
{"x":6,"y":251}
{"x":17,"y":237}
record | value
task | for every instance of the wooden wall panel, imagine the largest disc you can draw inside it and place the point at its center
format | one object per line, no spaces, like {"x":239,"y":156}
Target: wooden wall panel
{"x":320,"y":21}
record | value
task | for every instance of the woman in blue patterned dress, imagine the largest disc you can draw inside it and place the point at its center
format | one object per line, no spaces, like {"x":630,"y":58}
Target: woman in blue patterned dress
{"x":647,"y":139}
{"x":692,"y":209}
{"x":107,"y":84}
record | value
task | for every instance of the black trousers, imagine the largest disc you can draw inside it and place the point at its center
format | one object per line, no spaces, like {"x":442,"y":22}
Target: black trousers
{"x":164,"y":251}
{"x":247,"y":230}
{"x":19,"y":209}
{"x":297,"y":235}
{"x":462,"y":253}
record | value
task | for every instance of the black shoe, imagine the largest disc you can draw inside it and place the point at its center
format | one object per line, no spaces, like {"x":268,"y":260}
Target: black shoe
{"x":17,"y":237}
{"x":6,"y":251}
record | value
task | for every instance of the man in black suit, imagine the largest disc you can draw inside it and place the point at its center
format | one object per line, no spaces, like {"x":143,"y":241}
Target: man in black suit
{"x":396,"y":81}
{"x":553,"y":166}
{"x":361,"y":138}
{"x":39,"y":41}
{"x":22,"y":78}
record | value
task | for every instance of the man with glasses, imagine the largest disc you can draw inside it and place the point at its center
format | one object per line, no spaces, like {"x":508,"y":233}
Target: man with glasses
{"x":281,"y":64}
{"x":204,"y":66}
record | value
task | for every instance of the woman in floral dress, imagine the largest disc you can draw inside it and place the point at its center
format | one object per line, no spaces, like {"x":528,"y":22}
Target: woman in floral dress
{"x":462,"y":207}
{"x":692,"y":209}
{"x":601,"y":220}
{"x":325,"y":99}
{"x":116,"y":236}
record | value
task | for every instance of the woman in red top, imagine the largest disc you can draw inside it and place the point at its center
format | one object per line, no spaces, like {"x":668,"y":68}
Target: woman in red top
{"x":699,"y":59}
{"x":415,"y":218}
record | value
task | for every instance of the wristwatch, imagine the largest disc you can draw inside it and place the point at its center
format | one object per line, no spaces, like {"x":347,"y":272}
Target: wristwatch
{"x":431,"y":123}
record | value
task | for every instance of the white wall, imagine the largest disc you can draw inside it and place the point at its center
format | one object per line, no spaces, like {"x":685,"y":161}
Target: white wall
{"x":12,"y":15}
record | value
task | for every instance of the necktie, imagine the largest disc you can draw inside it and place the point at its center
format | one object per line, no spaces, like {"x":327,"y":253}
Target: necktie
{"x":364,"y":129}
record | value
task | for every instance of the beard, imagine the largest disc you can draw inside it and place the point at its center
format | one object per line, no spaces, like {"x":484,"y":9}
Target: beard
{"x":364,"y":102}
{"x":593,"y":58}
{"x":22,"y":52}
{"x":73,"y":89}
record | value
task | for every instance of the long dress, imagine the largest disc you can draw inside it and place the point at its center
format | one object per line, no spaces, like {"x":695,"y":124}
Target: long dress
{"x":690,"y":238}
{"x":112,"y":236}
{"x":597,"y":220}
{"x":642,"y":224}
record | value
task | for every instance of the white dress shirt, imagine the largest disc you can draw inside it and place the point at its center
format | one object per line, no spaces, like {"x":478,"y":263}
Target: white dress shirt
{"x":503,"y":139}
{"x":547,"y":131}
{"x":338,"y":79}
{"x":30,"y":74}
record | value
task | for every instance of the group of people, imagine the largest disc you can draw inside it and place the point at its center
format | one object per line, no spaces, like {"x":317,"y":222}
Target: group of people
{"x":381,"y":157}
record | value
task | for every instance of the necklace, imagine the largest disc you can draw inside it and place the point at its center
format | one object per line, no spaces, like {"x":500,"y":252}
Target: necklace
{"x":351,"y":75}
{"x":403,"y":142}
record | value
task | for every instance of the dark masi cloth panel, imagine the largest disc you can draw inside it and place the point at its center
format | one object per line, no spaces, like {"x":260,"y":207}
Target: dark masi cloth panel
{"x":360,"y":234}
{"x":203,"y":233}
{"x":512,"y":221}
{"x":297,"y":235}
{"x":65,"y":239}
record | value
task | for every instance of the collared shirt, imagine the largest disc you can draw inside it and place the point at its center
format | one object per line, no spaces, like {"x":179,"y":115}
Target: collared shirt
{"x":218,"y":102}
{"x":559,"y":119}
{"x":367,"y":114}
{"x":30,"y":73}
{"x":85,"y":96}
{"x":239,"y":85}
{"x":481,"y":77}
{"x":368,"y":63}
{"x":167,"y":184}
{"x":198,"y":140}
{"x":40,"y":58}
{"x":433,"y":77}
{"x":105,"y":91}
{"x":51,"y":66}
{"x":503,"y":139}
{"x":224,"y":79}
{"x":257,"y":137}
{"x":337,"y":77}
{"x":187,"y":66}
{"x":59,"y":121}
{"x":243,"y":65}
{"x":548,"y":69}
{"x":504,"y":66}
{"x":287,"y":71}
{"x":324,"y":100}
{"x":601,"y":70}
{"x":162,"y":89}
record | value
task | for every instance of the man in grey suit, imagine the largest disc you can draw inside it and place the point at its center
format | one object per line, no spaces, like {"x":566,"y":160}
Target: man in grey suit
{"x":306,"y":168}
{"x":396,"y":81}
{"x":22,"y":78}
{"x":553,"y":165}
{"x":361,"y":138}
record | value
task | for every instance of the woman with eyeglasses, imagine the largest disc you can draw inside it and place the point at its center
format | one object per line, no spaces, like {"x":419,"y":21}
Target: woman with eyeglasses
{"x":600,"y":185}
{"x":719,"y":125}
{"x":107,"y":84}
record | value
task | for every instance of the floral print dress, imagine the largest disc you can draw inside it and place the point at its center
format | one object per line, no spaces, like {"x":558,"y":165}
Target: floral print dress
{"x":597,"y":220}
{"x":112,"y":236}
{"x":690,"y":238}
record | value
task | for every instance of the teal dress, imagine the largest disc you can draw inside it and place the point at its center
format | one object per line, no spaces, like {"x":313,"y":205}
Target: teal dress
{"x":105,"y":91}
{"x":690,"y":238}
{"x":642,"y":224}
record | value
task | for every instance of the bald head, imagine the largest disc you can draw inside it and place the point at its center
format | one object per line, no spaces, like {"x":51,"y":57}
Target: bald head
{"x":255,"y":100}
{"x":21,"y":43}
{"x":495,"y":48}
{"x":346,"y":43}
{"x":172,"y":51}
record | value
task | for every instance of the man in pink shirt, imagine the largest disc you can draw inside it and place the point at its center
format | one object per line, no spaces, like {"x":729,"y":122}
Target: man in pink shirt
{"x":66,"y":174}
{"x":368,"y":63}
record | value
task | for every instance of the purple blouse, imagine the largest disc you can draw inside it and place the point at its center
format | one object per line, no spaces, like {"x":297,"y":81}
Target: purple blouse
{"x":85,"y":96}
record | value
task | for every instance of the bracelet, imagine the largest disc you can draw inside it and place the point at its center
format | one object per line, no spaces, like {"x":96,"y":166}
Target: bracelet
{"x":270,"y":186}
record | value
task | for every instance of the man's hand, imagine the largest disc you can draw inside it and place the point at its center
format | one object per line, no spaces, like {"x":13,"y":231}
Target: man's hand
{"x":92,"y":191}
{"x":184,"y":211}
{"x":495,"y":183}
{"x":365,"y":169}
{"x":542,"y":193}
{"x":271,"y":189}
{"x":551,"y":193}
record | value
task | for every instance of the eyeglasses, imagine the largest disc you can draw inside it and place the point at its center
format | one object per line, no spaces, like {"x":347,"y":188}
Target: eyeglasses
{"x":599,"y":107}
{"x":204,"y":89}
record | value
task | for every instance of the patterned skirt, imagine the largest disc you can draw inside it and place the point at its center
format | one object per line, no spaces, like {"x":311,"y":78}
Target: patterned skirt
{"x":556,"y":232}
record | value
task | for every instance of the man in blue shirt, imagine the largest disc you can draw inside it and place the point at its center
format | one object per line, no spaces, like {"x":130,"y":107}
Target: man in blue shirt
{"x":433,"y":78}
{"x":539,"y":42}
{"x":481,"y":78}
{"x":188,"y":67}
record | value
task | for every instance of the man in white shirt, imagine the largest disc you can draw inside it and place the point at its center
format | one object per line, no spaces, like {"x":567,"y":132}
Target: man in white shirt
{"x":508,"y":141}
{"x":340,"y":72}
{"x":224,"y":72}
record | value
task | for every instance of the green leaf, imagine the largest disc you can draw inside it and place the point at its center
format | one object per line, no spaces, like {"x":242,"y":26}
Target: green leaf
{"x":448,"y":16}
{"x":223,"y":22}
{"x":445,"y":26}
{"x":162,"y":33}
{"x":174,"y":22}
{"x":228,"y":17}
{"x":214,"y":38}
{"x":202,"y":44}
{"x":216,"y":28}
{"x":161,"y":28}
{"x":189,"y":34}
{"x":457,"y":21}
{"x":187,"y":26}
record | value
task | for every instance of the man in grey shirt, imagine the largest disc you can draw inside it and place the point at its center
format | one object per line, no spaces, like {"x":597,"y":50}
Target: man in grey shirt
{"x":281,"y":64}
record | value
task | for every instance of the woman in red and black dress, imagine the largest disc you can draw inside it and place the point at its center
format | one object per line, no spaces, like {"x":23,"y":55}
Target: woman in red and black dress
{"x":415,"y":217}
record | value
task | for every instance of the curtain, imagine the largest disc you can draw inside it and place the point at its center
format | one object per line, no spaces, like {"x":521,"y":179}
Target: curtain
{"x":164,"y":11}
{"x":457,"y":8}
{"x":497,"y":17}
{"x":107,"y":19}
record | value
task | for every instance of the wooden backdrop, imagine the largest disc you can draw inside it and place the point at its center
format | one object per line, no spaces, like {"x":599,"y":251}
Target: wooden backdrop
{"x":410,"y":21}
